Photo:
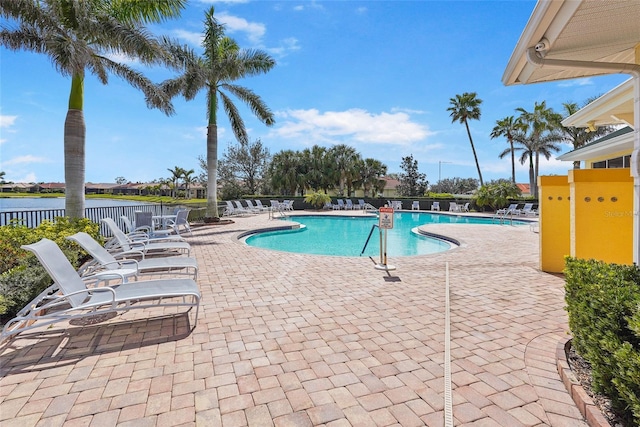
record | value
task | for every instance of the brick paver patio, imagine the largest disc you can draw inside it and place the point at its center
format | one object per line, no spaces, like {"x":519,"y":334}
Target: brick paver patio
{"x":298,"y":340}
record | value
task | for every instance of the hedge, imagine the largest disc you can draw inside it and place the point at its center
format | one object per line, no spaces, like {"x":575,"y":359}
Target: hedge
{"x":603,"y":303}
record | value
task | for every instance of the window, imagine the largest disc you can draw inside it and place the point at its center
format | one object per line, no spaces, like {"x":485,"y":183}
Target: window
{"x":618,"y":162}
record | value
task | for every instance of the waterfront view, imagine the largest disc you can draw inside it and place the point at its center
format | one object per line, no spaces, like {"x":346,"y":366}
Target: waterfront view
{"x":37,"y":203}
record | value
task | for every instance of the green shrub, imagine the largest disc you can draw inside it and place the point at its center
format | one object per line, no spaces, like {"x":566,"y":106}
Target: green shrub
{"x":21,"y":276}
{"x":318,"y":199}
{"x":603,"y":303}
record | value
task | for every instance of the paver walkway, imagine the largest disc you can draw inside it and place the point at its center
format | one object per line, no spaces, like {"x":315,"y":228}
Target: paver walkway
{"x":297,"y":340}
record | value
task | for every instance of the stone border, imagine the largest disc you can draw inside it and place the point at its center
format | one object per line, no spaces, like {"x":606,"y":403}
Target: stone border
{"x":583,"y":401}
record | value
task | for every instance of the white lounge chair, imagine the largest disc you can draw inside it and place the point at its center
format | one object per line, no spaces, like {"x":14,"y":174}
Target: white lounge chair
{"x":181,"y":222}
{"x":511,"y":210}
{"x":69,"y":297}
{"x":454,"y":207}
{"x":241,"y":209}
{"x":465,"y":207}
{"x":361,"y":204}
{"x":349,"y":204}
{"x":141,"y":233}
{"x":528,"y":210}
{"x":435,"y":206}
{"x":103,"y":260}
{"x":121,"y":243}
{"x":252,"y":207}
{"x":260,"y":206}
{"x":341,"y":205}
{"x":415,"y":206}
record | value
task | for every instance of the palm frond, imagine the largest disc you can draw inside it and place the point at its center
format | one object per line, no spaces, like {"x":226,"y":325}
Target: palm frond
{"x":253,"y":101}
{"x":237,"y":124}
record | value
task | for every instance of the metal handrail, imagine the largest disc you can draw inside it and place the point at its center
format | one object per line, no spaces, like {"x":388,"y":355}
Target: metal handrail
{"x":368,"y":238}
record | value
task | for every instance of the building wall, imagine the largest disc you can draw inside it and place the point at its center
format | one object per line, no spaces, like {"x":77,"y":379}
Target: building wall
{"x":602,"y":214}
{"x":554,"y":208}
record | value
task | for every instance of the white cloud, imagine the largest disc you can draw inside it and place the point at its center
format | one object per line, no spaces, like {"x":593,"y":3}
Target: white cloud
{"x":361,"y":10}
{"x":355,"y":125}
{"x":587,"y":81}
{"x":191,"y":37}
{"x":254,"y":30}
{"x":286,"y":46}
{"x":6,"y":121}
{"x":26,"y":160}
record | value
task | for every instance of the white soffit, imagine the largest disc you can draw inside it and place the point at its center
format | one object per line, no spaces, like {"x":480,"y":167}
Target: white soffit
{"x":613,"y":108}
{"x":581,"y":30}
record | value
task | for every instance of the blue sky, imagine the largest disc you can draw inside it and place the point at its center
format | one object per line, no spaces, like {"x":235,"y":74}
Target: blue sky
{"x":376,"y":75}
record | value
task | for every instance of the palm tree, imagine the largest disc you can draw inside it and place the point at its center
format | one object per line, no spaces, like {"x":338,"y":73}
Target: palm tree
{"x":507,"y":127}
{"x":579,"y":137}
{"x":76,"y":35}
{"x":345,"y":159}
{"x":372,"y":171}
{"x":187,"y":180}
{"x":284,"y":172}
{"x":463,"y":108}
{"x":541,"y":134}
{"x":221,"y":63}
{"x":176,"y":174}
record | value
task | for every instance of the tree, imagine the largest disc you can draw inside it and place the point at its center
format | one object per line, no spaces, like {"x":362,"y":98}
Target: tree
{"x":412,"y":182}
{"x":463,"y":108}
{"x":507,"y":127}
{"x":319,"y":171}
{"x":222,"y":63}
{"x":75,"y":35}
{"x":371,"y":172}
{"x":579,"y":137}
{"x":496,"y":194}
{"x":187,"y":180}
{"x":176,"y":174}
{"x":540,"y":135}
{"x":2,"y":175}
{"x":247,"y":162}
{"x":284,"y":172}
{"x":455,"y":186}
{"x":121,"y":180}
{"x":344,"y":159}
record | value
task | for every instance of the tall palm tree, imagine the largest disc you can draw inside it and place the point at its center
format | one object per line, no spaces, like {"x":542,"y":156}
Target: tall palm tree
{"x":77,"y":35}
{"x":463,"y":108}
{"x":507,"y":127}
{"x":187,"y":180}
{"x":284,"y":171}
{"x":541,"y":133}
{"x":221,"y":63}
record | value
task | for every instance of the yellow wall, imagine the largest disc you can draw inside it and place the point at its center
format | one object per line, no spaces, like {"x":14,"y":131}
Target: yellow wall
{"x":554,"y":222}
{"x":602,"y":214}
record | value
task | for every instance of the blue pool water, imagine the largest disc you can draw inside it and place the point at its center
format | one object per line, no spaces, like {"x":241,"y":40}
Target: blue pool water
{"x":346,"y":236}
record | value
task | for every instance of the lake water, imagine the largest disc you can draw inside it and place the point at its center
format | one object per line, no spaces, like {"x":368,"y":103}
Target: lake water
{"x":37,"y":203}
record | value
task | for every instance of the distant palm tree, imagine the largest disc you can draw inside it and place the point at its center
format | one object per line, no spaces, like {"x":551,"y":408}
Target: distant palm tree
{"x":577,"y":136}
{"x":507,"y":127}
{"x":222,"y":63}
{"x":77,"y":35}
{"x":463,"y":108}
{"x":372,"y":171}
{"x":187,"y":180}
{"x":176,"y":174}
{"x":540,"y":135}
{"x":284,"y":172}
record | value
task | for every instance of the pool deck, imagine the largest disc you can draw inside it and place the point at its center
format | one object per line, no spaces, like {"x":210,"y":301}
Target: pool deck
{"x":299,"y":340}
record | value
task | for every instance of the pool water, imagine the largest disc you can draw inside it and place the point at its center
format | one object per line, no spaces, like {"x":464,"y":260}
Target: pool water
{"x":346,"y":236}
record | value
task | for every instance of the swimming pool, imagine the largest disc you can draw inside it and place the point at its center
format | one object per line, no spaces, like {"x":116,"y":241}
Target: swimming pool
{"x":346,"y":236}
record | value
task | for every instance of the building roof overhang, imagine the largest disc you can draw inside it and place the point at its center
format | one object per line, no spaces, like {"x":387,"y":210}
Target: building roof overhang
{"x":619,"y":141}
{"x":590,"y":33}
{"x":613,"y":108}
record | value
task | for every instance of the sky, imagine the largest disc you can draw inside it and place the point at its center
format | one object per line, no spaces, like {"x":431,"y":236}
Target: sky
{"x":375,"y":75}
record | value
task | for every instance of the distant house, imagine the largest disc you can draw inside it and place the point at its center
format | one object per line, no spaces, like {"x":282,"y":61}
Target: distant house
{"x":19,"y":187}
{"x":51,"y":187}
{"x":101,"y":188}
{"x":525,"y":189}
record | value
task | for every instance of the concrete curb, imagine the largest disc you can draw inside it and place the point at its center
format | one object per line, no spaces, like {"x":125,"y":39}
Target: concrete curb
{"x":583,"y":401}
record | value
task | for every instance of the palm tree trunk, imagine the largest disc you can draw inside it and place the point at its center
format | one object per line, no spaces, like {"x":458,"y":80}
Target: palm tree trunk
{"x":513,"y":162}
{"x":475,"y":156}
{"x":532,"y":175}
{"x":535,"y":188}
{"x":212,"y":170}
{"x":74,"y":163}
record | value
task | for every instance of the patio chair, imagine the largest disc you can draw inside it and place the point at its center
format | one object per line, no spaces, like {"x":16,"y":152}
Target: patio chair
{"x":361,"y":204}
{"x":69,"y":297}
{"x":415,"y":206}
{"x":435,"y":206}
{"x":251,"y":206}
{"x":240,"y":208}
{"x":104,"y":261}
{"x":454,"y":207}
{"x":328,"y":205}
{"x":287,"y":205}
{"x":341,"y":205}
{"x":465,"y":207}
{"x":141,"y":233}
{"x":528,"y":210}
{"x":181,"y":221}
{"x":121,"y":243}
{"x":511,"y":210}
{"x":349,"y":204}
{"x":260,"y":206}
